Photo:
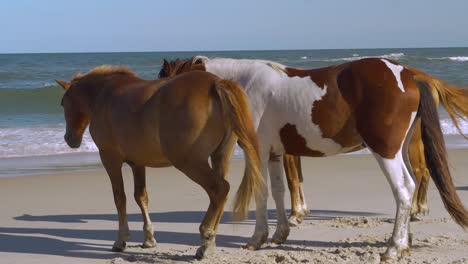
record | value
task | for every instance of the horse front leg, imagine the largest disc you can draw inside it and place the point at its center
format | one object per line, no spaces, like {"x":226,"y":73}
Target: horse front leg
{"x":260,"y":235}
{"x":293,"y":171}
{"x":276,"y":170}
{"x":141,"y":198}
{"x":113,"y":165}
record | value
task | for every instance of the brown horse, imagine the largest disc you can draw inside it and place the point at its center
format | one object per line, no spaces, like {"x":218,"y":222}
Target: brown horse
{"x":178,"y":122}
{"x":338,"y":109}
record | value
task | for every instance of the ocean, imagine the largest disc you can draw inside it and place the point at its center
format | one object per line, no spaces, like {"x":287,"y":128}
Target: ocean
{"x":32,"y":123}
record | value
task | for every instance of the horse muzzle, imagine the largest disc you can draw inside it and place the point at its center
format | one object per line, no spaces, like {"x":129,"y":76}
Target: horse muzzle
{"x":72,"y":141}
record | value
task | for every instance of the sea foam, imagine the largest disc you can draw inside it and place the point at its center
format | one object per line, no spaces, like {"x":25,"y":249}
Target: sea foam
{"x":48,"y":140}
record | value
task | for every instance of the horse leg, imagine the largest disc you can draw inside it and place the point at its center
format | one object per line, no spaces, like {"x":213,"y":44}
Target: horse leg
{"x":276,"y":170}
{"x":292,"y":167}
{"x":422,"y":191}
{"x":305,"y":209}
{"x":217,"y":189}
{"x":220,"y":161}
{"x":418,"y":162}
{"x":423,"y":172}
{"x":261,"y":222}
{"x":397,"y":171}
{"x":113,"y":165}
{"x":415,"y":159}
{"x":141,"y":198}
{"x":402,"y":186}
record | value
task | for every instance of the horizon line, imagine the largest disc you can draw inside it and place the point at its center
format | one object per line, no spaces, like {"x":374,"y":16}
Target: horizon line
{"x":221,"y":50}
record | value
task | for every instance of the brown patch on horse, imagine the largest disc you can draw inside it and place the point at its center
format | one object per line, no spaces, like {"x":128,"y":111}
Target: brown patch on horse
{"x":331,"y":113}
{"x":318,"y":76}
{"x":364,"y":84}
{"x":295,"y":144}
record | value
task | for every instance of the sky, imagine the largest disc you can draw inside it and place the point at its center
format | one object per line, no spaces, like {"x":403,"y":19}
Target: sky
{"x":32,"y":26}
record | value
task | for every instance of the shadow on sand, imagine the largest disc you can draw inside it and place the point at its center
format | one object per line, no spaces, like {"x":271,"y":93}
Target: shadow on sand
{"x":181,"y":217}
{"x":52,"y":241}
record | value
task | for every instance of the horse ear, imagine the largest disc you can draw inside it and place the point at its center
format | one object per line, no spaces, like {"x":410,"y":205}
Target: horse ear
{"x":64,"y":84}
{"x":165,"y":63}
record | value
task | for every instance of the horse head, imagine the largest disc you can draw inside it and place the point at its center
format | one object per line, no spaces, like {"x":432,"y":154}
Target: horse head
{"x":76,"y":118}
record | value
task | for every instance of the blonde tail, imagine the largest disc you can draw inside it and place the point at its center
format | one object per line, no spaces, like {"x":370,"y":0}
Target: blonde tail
{"x":453,"y":98}
{"x":237,"y":115}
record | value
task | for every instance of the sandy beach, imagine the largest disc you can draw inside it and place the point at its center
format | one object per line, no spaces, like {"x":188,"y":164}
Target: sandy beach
{"x":69,"y":217}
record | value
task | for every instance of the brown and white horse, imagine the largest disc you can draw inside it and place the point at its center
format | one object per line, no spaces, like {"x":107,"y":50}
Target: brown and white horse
{"x":180,"y":122}
{"x":322,"y":112}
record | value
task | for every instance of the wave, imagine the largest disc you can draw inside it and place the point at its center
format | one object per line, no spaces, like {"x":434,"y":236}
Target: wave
{"x":355,"y":56}
{"x":454,"y":58}
{"x":448,"y":128}
{"x":39,"y":141}
{"x":39,"y":100}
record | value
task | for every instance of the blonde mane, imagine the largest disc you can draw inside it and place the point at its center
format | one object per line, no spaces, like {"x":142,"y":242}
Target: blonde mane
{"x":106,"y":69}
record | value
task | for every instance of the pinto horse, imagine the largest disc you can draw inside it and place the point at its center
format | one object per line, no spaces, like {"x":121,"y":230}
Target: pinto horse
{"x":370,"y":102}
{"x":180,"y":122}
{"x":294,"y":177}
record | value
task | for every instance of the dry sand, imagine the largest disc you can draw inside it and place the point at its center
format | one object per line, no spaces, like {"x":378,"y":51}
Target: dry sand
{"x":70,"y":218}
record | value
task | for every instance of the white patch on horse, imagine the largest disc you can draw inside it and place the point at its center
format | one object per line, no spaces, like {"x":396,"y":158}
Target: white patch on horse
{"x":277,"y":100}
{"x":396,"y":70}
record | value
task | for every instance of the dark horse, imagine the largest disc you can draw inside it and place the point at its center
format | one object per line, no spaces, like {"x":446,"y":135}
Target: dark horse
{"x":178,"y":122}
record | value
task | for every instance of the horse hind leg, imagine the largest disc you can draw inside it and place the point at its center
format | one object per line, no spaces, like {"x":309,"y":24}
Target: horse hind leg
{"x":141,"y":198}
{"x":217,"y":189}
{"x":421,"y":173}
{"x":397,"y":172}
{"x":220,"y":161}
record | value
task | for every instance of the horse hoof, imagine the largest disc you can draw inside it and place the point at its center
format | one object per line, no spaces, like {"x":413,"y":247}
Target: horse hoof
{"x":394,"y":253}
{"x":252,"y":247}
{"x":415,"y":218}
{"x":280,"y":236}
{"x":257,"y":240}
{"x":294,"y":220}
{"x":119,"y":246}
{"x":149,"y":244}
{"x":205,"y":251}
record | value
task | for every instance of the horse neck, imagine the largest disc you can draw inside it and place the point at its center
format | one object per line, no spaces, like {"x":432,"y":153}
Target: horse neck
{"x":93,"y":89}
{"x":241,"y":71}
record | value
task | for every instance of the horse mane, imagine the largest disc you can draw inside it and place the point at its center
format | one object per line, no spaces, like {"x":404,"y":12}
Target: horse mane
{"x":178,"y":66}
{"x":106,"y":70}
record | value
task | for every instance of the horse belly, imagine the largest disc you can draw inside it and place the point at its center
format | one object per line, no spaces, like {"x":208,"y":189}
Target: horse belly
{"x":292,"y":113}
{"x":306,"y":140}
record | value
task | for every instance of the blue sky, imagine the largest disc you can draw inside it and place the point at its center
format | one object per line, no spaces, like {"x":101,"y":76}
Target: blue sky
{"x":200,"y":25}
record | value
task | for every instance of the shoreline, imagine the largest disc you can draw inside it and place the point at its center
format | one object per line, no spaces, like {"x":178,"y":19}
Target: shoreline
{"x":21,"y":166}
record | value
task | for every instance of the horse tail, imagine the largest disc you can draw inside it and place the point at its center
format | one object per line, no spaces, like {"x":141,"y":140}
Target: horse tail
{"x":236,"y":112}
{"x":436,"y":155}
{"x":453,"y":98}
